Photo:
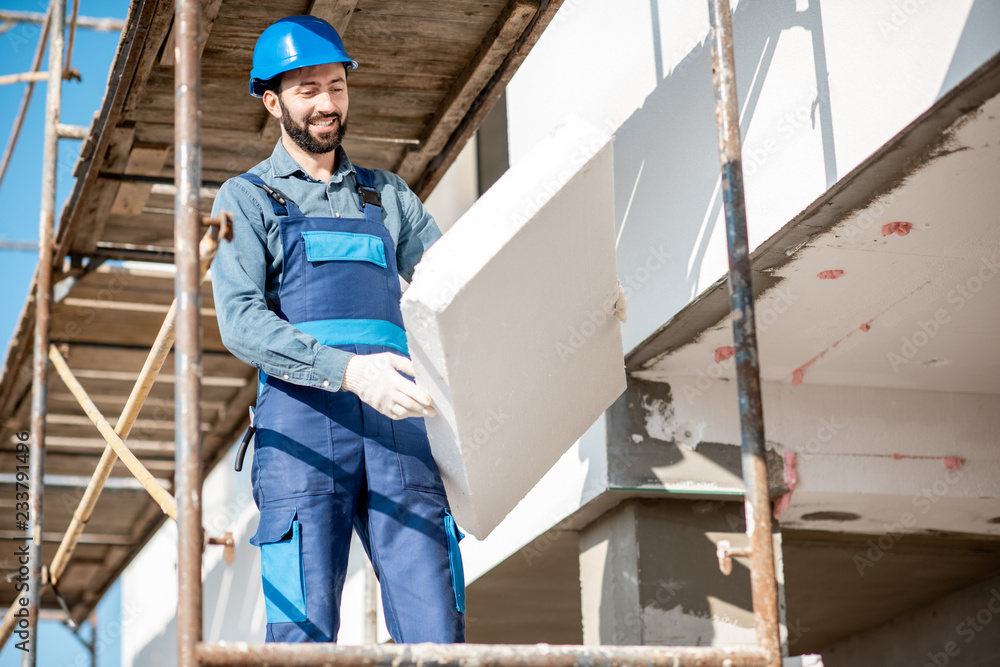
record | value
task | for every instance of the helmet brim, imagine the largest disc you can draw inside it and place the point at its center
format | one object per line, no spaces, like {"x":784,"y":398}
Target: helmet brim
{"x":259,"y":79}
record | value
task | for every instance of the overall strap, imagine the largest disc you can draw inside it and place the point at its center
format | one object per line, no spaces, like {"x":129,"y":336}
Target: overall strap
{"x":281,"y":204}
{"x":368,"y":199}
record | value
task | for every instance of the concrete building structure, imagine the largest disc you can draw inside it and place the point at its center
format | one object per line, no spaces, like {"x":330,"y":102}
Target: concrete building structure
{"x":871,"y":157}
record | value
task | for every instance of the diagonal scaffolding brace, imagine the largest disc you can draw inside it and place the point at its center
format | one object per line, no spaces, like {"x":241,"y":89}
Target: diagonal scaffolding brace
{"x":219,"y":229}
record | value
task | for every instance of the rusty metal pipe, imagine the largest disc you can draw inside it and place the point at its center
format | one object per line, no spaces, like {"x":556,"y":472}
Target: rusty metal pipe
{"x":31,"y":77}
{"x":763,"y":584}
{"x":187,"y":390}
{"x":241,"y":654}
{"x":89,"y":22}
{"x":36,"y":63}
{"x":43,"y":306}
{"x":72,"y":35}
{"x":73,"y":131}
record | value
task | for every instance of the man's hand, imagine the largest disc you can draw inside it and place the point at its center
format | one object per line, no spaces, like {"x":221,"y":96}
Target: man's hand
{"x":374,"y":378}
{"x":621,"y":305}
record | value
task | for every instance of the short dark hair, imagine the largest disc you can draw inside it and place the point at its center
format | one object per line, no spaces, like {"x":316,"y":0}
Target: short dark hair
{"x":274,"y":84}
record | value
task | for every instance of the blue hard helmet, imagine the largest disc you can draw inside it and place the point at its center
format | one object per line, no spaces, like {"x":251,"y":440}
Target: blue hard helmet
{"x":293,"y":42}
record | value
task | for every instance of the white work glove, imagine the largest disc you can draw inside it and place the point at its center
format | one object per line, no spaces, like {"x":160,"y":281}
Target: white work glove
{"x":621,"y":305}
{"x":374,"y":378}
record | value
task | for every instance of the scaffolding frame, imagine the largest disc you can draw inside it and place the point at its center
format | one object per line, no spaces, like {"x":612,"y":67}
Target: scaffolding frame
{"x":193,"y":253}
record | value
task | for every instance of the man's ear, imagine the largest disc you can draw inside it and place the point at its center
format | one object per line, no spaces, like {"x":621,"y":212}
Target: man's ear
{"x":271,"y":103}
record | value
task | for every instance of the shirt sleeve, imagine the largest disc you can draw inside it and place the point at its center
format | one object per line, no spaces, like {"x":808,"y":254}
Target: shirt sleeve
{"x":417,"y":233}
{"x":251,"y":331}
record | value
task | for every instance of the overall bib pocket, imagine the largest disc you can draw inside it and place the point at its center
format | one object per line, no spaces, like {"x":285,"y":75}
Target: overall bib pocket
{"x":322,"y":246}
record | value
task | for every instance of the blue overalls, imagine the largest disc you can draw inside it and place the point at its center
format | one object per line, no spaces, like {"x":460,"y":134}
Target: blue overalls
{"x":325,"y":462}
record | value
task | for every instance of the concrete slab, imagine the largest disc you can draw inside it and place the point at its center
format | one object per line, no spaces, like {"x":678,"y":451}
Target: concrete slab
{"x":510,"y":326}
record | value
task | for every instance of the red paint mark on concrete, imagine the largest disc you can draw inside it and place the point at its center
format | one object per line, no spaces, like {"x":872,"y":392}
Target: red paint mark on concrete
{"x":953,"y":462}
{"x":723,"y":353}
{"x":831,"y":274}
{"x":784,"y":501}
{"x":897,"y":228}
{"x":799,"y":373}
{"x":950,"y":462}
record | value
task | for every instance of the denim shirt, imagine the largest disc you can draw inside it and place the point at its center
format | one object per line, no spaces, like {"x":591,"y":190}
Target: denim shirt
{"x":246,"y":272}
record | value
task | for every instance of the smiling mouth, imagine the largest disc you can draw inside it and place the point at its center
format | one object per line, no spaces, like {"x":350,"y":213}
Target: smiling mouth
{"x":323,"y":124}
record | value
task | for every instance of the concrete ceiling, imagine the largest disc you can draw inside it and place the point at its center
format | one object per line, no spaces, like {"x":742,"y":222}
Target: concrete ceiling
{"x":828,"y":598}
{"x":901,"y":291}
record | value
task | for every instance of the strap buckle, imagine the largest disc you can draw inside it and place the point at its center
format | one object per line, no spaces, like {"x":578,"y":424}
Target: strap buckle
{"x":275,"y":194}
{"x":369,"y":196}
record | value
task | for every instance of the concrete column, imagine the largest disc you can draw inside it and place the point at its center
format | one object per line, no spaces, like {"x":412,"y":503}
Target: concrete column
{"x":649,"y":575}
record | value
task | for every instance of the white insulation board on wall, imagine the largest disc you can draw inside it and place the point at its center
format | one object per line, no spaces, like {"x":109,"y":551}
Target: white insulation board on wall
{"x":510,"y":324}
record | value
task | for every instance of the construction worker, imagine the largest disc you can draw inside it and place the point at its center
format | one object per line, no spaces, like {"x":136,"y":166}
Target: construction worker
{"x":308,"y":293}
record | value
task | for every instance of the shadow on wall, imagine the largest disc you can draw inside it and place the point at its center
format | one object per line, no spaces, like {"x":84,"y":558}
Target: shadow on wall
{"x":674,"y":559}
{"x":233,"y":602}
{"x":667,"y":198}
{"x":979,"y":41}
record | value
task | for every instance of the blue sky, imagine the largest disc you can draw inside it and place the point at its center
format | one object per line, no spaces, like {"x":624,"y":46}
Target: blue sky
{"x":20,"y":193}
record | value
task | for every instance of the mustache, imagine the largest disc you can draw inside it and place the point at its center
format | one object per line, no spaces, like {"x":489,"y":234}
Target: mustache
{"x":335,"y":115}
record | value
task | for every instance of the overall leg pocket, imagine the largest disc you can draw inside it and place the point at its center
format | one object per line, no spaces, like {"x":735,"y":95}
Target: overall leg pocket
{"x":416,"y":465}
{"x":280,"y":545}
{"x":455,"y":560}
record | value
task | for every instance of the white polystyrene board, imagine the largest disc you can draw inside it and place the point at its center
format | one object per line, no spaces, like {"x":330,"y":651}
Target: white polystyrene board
{"x":510,"y":324}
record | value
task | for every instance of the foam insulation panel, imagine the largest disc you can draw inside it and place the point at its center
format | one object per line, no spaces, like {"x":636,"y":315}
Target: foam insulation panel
{"x":510,"y":324}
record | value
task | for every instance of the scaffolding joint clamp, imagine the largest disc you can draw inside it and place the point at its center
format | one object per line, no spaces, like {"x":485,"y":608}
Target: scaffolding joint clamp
{"x":229,"y":544}
{"x":726,"y":552}
{"x":224,"y":221}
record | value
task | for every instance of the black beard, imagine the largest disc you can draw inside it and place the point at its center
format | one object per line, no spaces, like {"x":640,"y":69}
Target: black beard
{"x":306,"y":141}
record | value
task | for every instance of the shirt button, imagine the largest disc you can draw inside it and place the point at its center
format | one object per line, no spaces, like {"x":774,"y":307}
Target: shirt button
{"x":326,"y":383}
{"x":336,"y":214}
{"x":286,"y":376}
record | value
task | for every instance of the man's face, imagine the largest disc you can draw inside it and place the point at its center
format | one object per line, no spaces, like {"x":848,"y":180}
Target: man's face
{"x":313,"y":104}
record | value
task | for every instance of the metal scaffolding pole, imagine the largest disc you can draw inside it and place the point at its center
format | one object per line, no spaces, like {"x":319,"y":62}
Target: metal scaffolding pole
{"x":187,"y":392}
{"x":43,"y":304}
{"x":763,"y":585}
{"x":241,"y":654}
{"x":92,"y":23}
{"x":36,"y":63}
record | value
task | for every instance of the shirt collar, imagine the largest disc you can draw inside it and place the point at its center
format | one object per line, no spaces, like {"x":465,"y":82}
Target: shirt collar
{"x":284,"y":165}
